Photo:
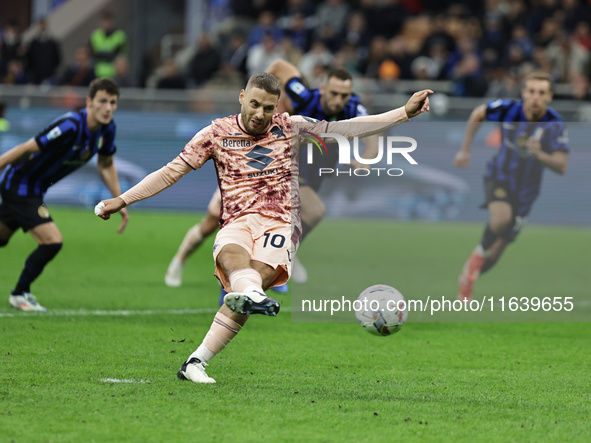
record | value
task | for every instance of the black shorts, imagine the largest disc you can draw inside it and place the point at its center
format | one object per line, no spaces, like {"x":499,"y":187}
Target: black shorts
{"x":23,"y":212}
{"x":494,"y":191}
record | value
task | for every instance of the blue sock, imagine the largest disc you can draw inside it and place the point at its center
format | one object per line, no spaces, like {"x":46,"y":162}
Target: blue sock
{"x":222,"y":295}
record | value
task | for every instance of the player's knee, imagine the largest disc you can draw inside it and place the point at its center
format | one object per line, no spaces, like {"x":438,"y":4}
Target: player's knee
{"x":500,"y":224}
{"x":51,"y":249}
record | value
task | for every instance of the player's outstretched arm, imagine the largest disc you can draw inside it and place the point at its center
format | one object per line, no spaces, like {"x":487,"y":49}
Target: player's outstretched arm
{"x":26,"y":148}
{"x":418,"y":103}
{"x":108,"y":173}
{"x":478,"y":115}
{"x":151,"y":185}
{"x":367,"y":125}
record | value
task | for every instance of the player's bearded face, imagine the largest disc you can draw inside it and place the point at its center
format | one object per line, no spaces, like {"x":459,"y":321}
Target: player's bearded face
{"x":102,"y":107}
{"x":536,"y":95}
{"x":258,"y":107}
{"x":334,"y":94}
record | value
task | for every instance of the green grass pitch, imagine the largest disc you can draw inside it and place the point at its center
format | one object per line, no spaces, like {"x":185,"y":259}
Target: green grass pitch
{"x":62,"y":373}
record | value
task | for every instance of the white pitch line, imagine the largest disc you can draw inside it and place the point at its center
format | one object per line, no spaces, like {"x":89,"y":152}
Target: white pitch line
{"x":97,"y":313}
{"x":117,"y":380}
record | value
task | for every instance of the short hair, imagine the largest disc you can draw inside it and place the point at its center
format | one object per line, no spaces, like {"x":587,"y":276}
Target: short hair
{"x":539,"y":75}
{"x":265,"y":81}
{"x":340,"y":73}
{"x":103,"y":84}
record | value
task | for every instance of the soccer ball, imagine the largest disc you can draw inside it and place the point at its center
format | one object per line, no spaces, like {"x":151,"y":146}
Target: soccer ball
{"x":381,"y":310}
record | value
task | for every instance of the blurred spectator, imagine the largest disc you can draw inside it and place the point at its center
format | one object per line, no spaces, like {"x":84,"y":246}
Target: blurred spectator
{"x":355,"y":33}
{"x":331,"y":16}
{"x":123,"y":76}
{"x":542,"y":11}
{"x":520,"y":37}
{"x":106,"y":43}
{"x":494,"y":36}
{"x":397,"y":53}
{"x":205,"y":62}
{"x":424,"y":68}
{"x":81,"y":72}
{"x":575,"y":11}
{"x":549,"y":31}
{"x":503,"y":84}
{"x":10,"y":46}
{"x":542,"y":62}
{"x":15,"y":73}
{"x":304,"y":7}
{"x":234,"y":55}
{"x":377,"y":54}
{"x":43,"y":56}
{"x":384,"y":17}
{"x":266,"y":26}
{"x":516,"y":15}
{"x":263,"y":54}
{"x":318,"y":55}
{"x":347,"y":58}
{"x":291,"y":53}
{"x":465,"y":69}
{"x":514,"y":58}
{"x":439,"y":35}
{"x":171,"y":78}
{"x":298,"y":32}
{"x":566,"y":57}
{"x":581,"y":36}
{"x":4,"y":124}
{"x":580,"y":87}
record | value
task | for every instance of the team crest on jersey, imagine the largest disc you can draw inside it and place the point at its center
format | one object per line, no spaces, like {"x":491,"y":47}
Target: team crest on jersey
{"x":500,"y":193}
{"x":43,"y":211}
{"x":277,"y":131}
{"x":54,"y":133}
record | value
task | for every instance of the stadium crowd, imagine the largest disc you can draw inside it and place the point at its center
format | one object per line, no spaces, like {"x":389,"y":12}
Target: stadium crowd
{"x":484,"y":48}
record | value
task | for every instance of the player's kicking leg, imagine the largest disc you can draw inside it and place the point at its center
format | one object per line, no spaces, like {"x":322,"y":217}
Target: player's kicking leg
{"x":193,"y":239}
{"x":247,"y":278}
{"x":245,"y":274}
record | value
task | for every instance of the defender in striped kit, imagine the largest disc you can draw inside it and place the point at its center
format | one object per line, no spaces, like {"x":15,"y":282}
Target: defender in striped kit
{"x":62,"y":147}
{"x":533,"y":138}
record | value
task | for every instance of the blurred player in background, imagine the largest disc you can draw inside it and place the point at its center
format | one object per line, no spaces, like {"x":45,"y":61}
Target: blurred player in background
{"x":33,"y":166}
{"x":252,"y":152}
{"x":334,"y":100}
{"x":533,"y":138}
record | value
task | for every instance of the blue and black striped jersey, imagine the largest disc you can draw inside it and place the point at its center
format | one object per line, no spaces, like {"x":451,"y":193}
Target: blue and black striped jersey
{"x":306,"y":102}
{"x":513,"y":164}
{"x":65,"y":145}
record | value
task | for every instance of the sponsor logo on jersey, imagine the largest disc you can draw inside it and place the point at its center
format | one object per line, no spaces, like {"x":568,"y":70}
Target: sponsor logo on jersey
{"x":233,"y":143}
{"x":262,"y":173}
{"x":260,"y":159}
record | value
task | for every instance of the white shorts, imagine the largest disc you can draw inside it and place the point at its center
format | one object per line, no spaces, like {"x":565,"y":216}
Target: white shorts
{"x":267,"y":240}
